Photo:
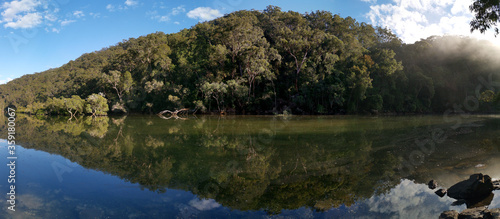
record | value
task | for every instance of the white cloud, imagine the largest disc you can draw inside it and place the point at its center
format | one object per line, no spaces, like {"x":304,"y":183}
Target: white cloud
{"x":410,"y":200}
{"x":15,"y":8}
{"x":177,"y":22}
{"x":95,"y":15}
{"x":4,"y":81}
{"x":164,"y":18}
{"x":204,"y":13}
{"x":130,"y":2}
{"x":413,"y":20}
{"x":204,"y":204}
{"x":21,"y":14}
{"x":66,"y":22}
{"x":370,"y":1}
{"x":121,"y":7}
{"x":50,"y":17}
{"x":27,"y":14}
{"x":26,"y":21}
{"x":78,"y":14}
{"x":178,"y":10}
{"x":110,"y":7}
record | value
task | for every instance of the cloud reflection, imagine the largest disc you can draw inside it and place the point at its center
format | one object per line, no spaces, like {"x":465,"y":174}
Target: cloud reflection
{"x":410,"y":200}
{"x":204,"y":204}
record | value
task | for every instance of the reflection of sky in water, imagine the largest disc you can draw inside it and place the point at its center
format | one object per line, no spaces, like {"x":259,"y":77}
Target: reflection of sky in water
{"x":85,"y":193}
{"x":410,"y":200}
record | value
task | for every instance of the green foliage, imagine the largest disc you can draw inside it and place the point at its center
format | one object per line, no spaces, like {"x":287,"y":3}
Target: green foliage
{"x":35,"y":108}
{"x":96,"y":105}
{"x":266,"y":62}
{"x":488,"y":96}
{"x":487,"y":15}
{"x":121,"y":83}
{"x":74,"y":105}
{"x":215,"y":91}
{"x":56,"y":106}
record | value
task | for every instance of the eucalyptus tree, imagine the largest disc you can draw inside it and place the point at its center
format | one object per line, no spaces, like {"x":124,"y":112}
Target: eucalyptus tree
{"x":486,"y":15}
{"x":297,"y":41}
{"x":74,"y":105}
{"x":120,"y":82}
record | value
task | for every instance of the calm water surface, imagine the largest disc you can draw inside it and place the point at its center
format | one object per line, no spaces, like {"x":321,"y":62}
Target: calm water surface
{"x":246,"y":166}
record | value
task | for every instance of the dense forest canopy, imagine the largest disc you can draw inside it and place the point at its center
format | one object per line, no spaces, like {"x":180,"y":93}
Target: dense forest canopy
{"x":270,"y":61}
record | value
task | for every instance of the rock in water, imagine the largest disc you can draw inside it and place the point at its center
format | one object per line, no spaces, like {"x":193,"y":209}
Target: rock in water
{"x":432,"y":184}
{"x":472,"y":213}
{"x":482,"y":212}
{"x":441,"y":192}
{"x":477,"y":186}
{"x":449,"y":215}
{"x":492,"y":213}
{"x":481,"y":202}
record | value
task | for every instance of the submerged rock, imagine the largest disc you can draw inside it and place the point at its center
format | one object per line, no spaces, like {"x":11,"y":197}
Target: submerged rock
{"x":432,"y":184}
{"x":476,"y":193}
{"x":486,"y":201}
{"x":477,"y":186}
{"x":441,"y":192}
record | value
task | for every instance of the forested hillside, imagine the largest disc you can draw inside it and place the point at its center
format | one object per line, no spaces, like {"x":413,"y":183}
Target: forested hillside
{"x":271,"y":61}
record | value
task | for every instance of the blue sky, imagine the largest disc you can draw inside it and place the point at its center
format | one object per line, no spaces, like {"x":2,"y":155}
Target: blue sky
{"x":36,"y":35}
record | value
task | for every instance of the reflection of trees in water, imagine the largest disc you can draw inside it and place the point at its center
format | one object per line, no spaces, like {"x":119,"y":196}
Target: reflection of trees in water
{"x":245,"y":163}
{"x":469,"y":149}
{"x":221,"y":159}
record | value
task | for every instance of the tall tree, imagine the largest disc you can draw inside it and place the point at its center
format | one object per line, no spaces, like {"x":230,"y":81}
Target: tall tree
{"x":121,"y":83}
{"x":297,"y":40}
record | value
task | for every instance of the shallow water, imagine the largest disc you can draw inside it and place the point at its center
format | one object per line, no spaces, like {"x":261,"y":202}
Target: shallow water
{"x":246,"y":166}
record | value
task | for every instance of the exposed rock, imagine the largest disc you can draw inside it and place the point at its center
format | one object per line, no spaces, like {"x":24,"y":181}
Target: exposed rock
{"x":449,"y":215}
{"x":477,"y":186}
{"x":492,"y":213}
{"x":472,"y":213}
{"x":441,"y":192}
{"x":432,"y":184}
{"x":496,"y":184}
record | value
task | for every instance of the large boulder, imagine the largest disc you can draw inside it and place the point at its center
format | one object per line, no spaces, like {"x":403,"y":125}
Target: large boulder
{"x":476,"y":187}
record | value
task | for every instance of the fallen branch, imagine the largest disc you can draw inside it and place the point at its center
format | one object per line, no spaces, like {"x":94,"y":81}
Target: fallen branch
{"x":174,"y":113}
{"x":172,"y":117}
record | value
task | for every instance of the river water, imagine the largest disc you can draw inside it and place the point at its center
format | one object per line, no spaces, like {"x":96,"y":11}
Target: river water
{"x":245,"y":166}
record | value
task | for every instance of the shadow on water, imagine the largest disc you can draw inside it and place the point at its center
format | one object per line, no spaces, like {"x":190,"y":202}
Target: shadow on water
{"x":334,"y":166}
